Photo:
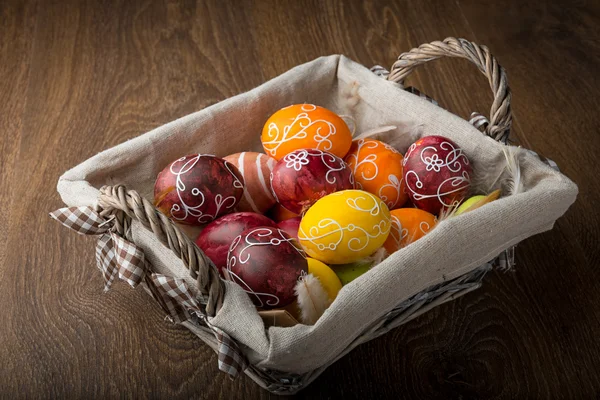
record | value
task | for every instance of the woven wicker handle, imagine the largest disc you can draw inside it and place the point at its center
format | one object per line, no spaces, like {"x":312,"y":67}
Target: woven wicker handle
{"x":500,"y":113}
{"x":117,"y":200}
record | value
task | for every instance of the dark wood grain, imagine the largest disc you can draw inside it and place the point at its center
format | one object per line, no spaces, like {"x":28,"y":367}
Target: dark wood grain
{"x":78,"y":77}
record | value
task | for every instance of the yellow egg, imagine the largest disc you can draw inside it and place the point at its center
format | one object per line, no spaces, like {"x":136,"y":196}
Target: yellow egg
{"x":344,"y":227}
{"x":329,"y":280}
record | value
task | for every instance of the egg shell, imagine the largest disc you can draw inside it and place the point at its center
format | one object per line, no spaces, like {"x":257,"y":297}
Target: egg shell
{"x":304,"y":176}
{"x":266,"y":263}
{"x":197,"y":189}
{"x":408,"y":225}
{"x":471,"y":201}
{"x":216,"y":238}
{"x":437,"y":173}
{"x":290,"y":226}
{"x":305,"y":126}
{"x":344,"y":227}
{"x":329,"y":280}
{"x":279,"y":213}
{"x":256,"y":169}
{"x":377,"y":168}
{"x":349,"y":272}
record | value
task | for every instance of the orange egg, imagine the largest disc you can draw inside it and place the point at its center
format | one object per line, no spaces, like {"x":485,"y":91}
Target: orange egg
{"x":305,"y":126}
{"x":377,"y":169}
{"x":408,"y":225}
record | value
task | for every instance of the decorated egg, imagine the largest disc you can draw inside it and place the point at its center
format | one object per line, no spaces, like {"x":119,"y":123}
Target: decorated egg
{"x":437,"y":173}
{"x":328,"y":279}
{"x":344,"y":227}
{"x":279,"y":213}
{"x":377,"y":168}
{"x":216,"y":237}
{"x":408,"y":225}
{"x":266,"y":263}
{"x":304,"y":176}
{"x":198,"y":188}
{"x":290,"y":226}
{"x":349,"y":272}
{"x":256,"y":169}
{"x":305,"y":126}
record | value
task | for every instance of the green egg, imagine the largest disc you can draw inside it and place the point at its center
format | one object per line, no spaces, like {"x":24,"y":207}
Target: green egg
{"x":468,"y":203}
{"x":349,"y":272}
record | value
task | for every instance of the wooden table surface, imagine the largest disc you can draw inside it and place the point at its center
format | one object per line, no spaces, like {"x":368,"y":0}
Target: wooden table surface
{"x":78,"y":78}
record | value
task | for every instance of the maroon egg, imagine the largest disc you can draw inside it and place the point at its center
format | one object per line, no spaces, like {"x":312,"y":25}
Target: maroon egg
{"x":266,"y":263}
{"x":290,"y":226}
{"x":304,"y":176}
{"x":198,"y":188}
{"x":437,"y":173}
{"x":217,"y":236}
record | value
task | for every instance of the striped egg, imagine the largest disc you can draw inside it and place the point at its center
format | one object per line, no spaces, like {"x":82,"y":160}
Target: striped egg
{"x":256,"y":170}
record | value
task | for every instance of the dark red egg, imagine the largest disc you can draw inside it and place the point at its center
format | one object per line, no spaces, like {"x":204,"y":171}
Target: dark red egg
{"x":304,"y":176}
{"x":290,"y":226}
{"x":437,"y":173}
{"x":267,"y":264}
{"x":197,"y":189}
{"x":216,"y":237}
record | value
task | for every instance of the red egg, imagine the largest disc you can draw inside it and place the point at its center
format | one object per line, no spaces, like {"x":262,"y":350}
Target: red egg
{"x":304,"y":176}
{"x":217,"y":236}
{"x":256,"y":170}
{"x":198,"y":188}
{"x":290,"y":226}
{"x":437,"y":173}
{"x":266,"y":263}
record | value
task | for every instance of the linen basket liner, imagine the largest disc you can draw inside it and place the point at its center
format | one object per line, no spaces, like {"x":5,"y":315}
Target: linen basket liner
{"x":455,"y":247}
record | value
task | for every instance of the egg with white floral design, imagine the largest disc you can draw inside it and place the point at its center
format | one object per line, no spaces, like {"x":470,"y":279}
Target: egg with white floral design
{"x":437,"y":173}
{"x":345,"y":227}
{"x":304,"y":176}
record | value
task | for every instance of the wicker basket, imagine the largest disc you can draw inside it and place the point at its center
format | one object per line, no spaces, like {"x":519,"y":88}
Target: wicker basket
{"x":117,"y":209}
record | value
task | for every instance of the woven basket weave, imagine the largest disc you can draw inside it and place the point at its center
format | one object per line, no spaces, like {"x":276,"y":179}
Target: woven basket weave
{"x":124,"y":207}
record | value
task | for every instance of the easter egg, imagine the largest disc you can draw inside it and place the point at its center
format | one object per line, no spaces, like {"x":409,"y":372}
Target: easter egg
{"x":470,"y":202}
{"x":349,"y":272}
{"x":344,"y":227}
{"x":266,"y":263}
{"x":279,"y":213}
{"x":304,"y":176}
{"x":329,"y":280}
{"x":256,"y":169}
{"x":437,"y":173}
{"x":474,"y":202}
{"x":305,"y":126}
{"x":216,"y":237}
{"x":198,"y":188}
{"x":408,"y":225}
{"x":377,"y":168}
{"x":290,"y":226}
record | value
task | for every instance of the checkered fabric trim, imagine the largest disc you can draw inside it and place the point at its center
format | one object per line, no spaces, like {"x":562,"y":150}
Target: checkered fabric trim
{"x":177,"y":290}
{"x":130,"y":260}
{"x":380,"y":71}
{"x":115,"y":256}
{"x":231,"y":359}
{"x":505,"y":260}
{"x":421,"y":95}
{"x":105,"y":259}
{"x":479,"y":121}
{"x":175,"y":313}
{"x":83,"y":220}
{"x":178,"y":302}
